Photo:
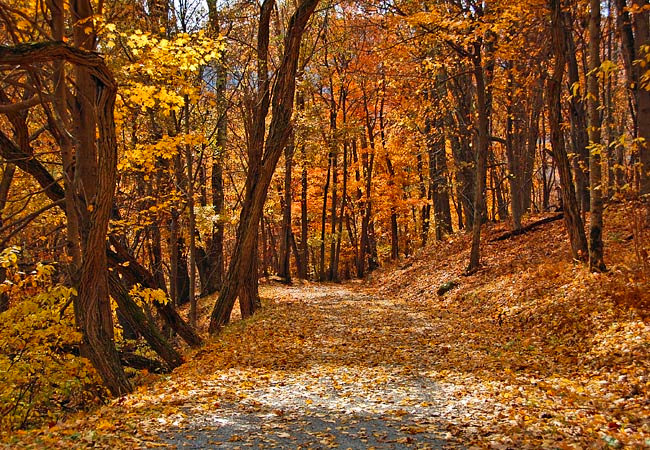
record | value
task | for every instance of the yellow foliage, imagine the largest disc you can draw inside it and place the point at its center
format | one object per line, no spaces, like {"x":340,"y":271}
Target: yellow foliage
{"x":147,"y":296}
{"x":40,"y":374}
{"x":162,"y":70}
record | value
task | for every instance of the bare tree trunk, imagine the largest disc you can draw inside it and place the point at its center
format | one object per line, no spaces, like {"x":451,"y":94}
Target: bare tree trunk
{"x":610,"y":126}
{"x":344,"y":197}
{"x":440,"y":194}
{"x":214,"y":261}
{"x":578,"y":117}
{"x":572,"y":218}
{"x":532,"y":139}
{"x":514,"y":164}
{"x":425,"y":209}
{"x":323,"y":219}
{"x":173,"y":258}
{"x":189,"y":166}
{"x":259,"y":181}
{"x":5,"y":184}
{"x":133,"y":272}
{"x":360,"y":253}
{"x":368,"y":243}
{"x":296,"y":252}
{"x":629,"y":51}
{"x":641,"y":42}
{"x":157,"y":257}
{"x":333,"y":271}
{"x":461,"y":147}
{"x":303,"y":271}
{"x":94,"y":183}
{"x":285,"y":233}
{"x":394,"y":227}
{"x":249,"y":297}
{"x":214,"y":254}
{"x":178,"y":260}
{"x":596,"y":262}
{"x":73,"y":245}
{"x":265,"y":247}
{"x":481,"y":157}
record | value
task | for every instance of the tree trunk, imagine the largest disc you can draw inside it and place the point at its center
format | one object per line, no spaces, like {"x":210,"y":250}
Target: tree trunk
{"x":515,"y":174}
{"x":572,"y":217}
{"x":139,"y":322}
{"x":133,"y":272}
{"x":259,"y":181}
{"x":425,"y":209}
{"x":249,"y":297}
{"x":368,"y":243}
{"x":5,"y":185}
{"x":441,"y":209}
{"x":461,"y":149}
{"x":641,"y":42}
{"x":578,"y":117}
{"x":628,"y":49}
{"x":481,"y":157}
{"x":360,"y":253}
{"x":214,"y":252}
{"x":173,"y":258}
{"x":333,"y":270}
{"x":284,"y":269}
{"x":344,"y":197}
{"x":393,"y":191}
{"x":531,"y":147}
{"x":303,"y":271}
{"x":178,"y":260}
{"x":596,"y":262}
{"x":189,"y":166}
{"x":323,"y":219}
{"x":94,"y":183}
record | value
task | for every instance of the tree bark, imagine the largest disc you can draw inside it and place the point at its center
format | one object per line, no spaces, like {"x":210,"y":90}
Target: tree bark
{"x":94,"y":186}
{"x":393,"y":192}
{"x":133,"y":272}
{"x":189,"y":167}
{"x":482,"y":151}
{"x":303,"y":270}
{"x":596,"y":262}
{"x":285,"y":233}
{"x":333,"y":270}
{"x":641,"y":42}
{"x":5,"y":184}
{"x":578,"y":118}
{"x":572,"y":218}
{"x":323,"y":219}
{"x":344,"y":197}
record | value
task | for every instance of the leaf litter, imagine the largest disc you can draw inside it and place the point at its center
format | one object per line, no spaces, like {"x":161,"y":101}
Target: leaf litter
{"x":530,"y":352}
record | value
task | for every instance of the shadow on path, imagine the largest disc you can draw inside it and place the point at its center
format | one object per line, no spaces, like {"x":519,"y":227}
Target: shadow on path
{"x":325,"y":367}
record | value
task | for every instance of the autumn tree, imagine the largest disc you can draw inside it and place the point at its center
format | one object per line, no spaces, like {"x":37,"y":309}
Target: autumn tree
{"x":261,"y":170}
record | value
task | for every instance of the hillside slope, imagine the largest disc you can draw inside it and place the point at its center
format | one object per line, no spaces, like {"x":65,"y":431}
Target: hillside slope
{"x":567,"y":351}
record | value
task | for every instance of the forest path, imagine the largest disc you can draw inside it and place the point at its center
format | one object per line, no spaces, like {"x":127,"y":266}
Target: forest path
{"x":321,"y":366}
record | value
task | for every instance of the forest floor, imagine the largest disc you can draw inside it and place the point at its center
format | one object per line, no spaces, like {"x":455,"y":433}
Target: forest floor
{"x":532,"y":351}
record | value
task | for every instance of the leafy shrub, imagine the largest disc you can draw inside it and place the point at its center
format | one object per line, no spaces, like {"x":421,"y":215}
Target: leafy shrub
{"x":41,"y":376}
